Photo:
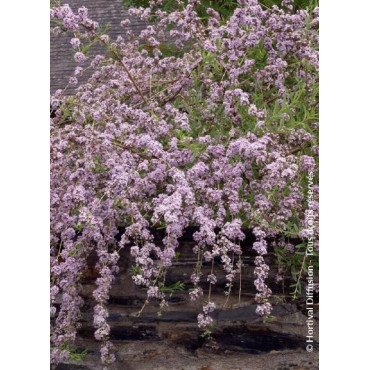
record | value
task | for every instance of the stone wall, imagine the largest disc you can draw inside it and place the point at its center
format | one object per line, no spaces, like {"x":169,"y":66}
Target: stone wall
{"x":172,"y":341}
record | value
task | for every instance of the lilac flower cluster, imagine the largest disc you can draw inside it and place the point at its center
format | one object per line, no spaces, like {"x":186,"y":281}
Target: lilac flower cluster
{"x":200,"y":139}
{"x":261,"y":273}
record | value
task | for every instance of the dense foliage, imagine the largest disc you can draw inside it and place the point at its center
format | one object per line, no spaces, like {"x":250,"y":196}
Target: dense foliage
{"x":221,"y":134}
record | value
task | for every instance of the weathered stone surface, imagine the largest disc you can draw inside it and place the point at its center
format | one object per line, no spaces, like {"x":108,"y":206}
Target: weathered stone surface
{"x":175,"y":316}
{"x":72,"y":367}
{"x":172,"y":341}
{"x":156,"y":356}
{"x":255,"y":340}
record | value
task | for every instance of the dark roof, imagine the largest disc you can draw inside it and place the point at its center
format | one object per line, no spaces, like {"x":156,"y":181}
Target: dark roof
{"x":105,"y":12}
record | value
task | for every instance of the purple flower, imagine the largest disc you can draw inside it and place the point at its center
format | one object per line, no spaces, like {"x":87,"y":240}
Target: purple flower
{"x":75,"y":42}
{"x":73,"y":81}
{"x":307,"y":163}
{"x":79,"y":57}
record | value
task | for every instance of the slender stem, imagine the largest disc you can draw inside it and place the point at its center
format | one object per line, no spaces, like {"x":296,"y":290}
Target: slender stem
{"x":142,"y":308}
{"x":210,"y":282}
{"x":240,"y":278}
{"x":300,"y":276}
{"x":230,"y":286}
{"x":147,"y":301}
{"x":129,"y":74}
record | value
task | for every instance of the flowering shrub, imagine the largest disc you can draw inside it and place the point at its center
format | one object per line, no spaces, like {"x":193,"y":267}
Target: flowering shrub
{"x":221,"y":134}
